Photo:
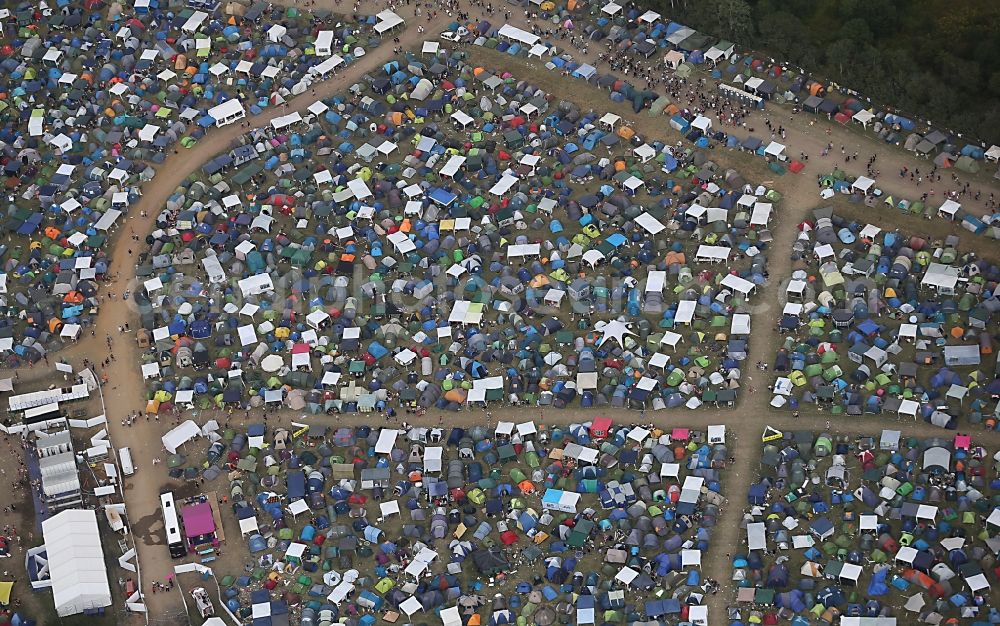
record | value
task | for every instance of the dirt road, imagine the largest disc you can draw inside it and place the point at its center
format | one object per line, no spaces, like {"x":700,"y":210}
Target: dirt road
{"x":125,"y":391}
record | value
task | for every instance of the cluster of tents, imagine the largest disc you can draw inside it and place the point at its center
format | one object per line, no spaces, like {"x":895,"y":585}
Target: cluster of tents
{"x":516,"y":523}
{"x":863,"y":190}
{"x":442,"y":235}
{"x":878,"y":322}
{"x":93,"y":96}
{"x":894,"y":528}
{"x":644,"y":34}
{"x":751,"y":78}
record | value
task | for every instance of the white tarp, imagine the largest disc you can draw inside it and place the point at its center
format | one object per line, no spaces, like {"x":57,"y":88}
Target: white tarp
{"x":76,"y":562}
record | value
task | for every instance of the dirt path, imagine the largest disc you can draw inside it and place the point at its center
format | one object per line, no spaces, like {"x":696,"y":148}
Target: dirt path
{"x":125,"y":391}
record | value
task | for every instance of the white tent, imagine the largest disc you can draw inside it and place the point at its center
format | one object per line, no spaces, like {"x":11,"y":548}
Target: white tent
{"x":698,"y":615}
{"x":685,"y":311}
{"x":775,"y":150}
{"x":387,"y":21}
{"x":559,"y":500}
{"x":862,"y":184}
{"x":227,"y":112}
{"x":713,"y":254}
{"x":740,"y":324}
{"x":671,"y":339}
{"x":941,"y":277}
{"x":756,"y":536}
{"x":736,"y":283}
{"x":180,"y":435}
{"x":150,"y":370}
{"x":256,"y":285}
{"x":863,"y":117}
{"x":650,"y":224}
{"x":522,"y":36}
{"x":76,"y":562}
{"x":466,"y":312}
{"x":324,"y":43}
{"x":761,"y":214}
{"x":909,"y":407}
{"x":948,"y":209}
{"x":386,"y":440}
{"x":451,"y":617}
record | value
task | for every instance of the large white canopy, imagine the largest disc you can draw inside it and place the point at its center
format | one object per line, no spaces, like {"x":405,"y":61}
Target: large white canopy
{"x":76,"y":562}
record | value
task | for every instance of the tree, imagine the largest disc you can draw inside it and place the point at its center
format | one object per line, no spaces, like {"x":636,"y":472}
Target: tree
{"x":730,"y":19}
{"x":782,"y":32}
{"x":736,"y":19}
{"x":840,"y":56}
{"x":880,"y":15}
{"x":856,"y":30}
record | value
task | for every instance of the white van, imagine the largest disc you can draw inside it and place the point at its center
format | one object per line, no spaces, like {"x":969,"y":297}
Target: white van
{"x":125,"y":458}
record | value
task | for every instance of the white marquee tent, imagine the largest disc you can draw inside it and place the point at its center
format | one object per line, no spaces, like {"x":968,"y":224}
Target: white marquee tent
{"x":76,"y":562}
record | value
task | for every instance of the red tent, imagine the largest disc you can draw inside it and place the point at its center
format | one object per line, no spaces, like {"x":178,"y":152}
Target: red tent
{"x":508,"y":537}
{"x":599,"y":427}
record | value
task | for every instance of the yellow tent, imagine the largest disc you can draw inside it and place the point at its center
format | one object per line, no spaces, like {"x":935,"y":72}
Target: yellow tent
{"x":5,"y":588}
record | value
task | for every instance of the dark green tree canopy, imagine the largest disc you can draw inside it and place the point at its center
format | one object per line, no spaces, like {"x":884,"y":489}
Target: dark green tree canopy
{"x":931,"y":59}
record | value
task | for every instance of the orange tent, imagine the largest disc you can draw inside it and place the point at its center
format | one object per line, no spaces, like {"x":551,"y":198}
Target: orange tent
{"x":73,"y":297}
{"x":675,"y":257}
{"x":52,"y":232}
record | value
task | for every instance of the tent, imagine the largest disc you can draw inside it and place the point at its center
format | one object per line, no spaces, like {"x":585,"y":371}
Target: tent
{"x":76,"y":562}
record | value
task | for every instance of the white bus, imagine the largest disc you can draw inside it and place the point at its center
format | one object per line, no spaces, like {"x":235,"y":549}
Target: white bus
{"x":175,"y":541}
